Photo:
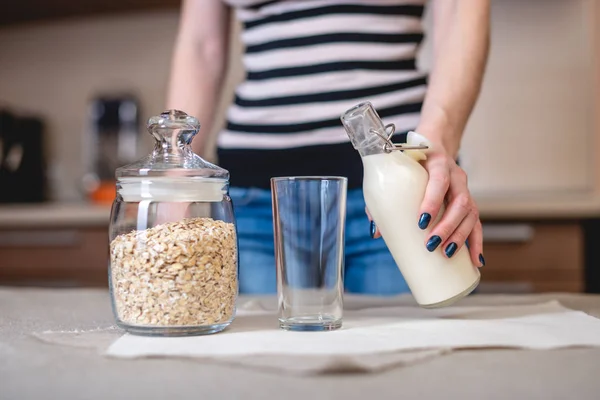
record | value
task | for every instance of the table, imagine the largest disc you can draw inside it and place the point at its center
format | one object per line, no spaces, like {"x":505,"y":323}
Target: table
{"x":30,"y":368}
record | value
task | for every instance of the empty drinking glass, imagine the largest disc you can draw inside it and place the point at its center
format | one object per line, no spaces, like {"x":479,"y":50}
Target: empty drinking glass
{"x":309,"y":216}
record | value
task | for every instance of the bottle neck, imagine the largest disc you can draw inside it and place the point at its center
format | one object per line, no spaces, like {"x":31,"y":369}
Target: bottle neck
{"x":372,"y":144}
{"x":365,"y":129}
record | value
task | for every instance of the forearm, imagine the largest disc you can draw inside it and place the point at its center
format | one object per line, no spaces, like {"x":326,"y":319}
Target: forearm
{"x":198,"y":65}
{"x":461,"y":43}
{"x":194,"y":88}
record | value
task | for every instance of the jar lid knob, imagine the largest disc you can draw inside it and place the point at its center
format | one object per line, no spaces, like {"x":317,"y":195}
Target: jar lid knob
{"x":162,"y":126}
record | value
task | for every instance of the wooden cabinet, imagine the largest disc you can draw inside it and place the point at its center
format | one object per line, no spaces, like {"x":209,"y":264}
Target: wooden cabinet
{"x":537,"y":257}
{"x":54,"y":256}
{"x":520,"y":257}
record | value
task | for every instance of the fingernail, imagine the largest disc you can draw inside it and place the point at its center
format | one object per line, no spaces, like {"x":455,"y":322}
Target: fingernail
{"x":451,"y":249}
{"x":482,"y":260}
{"x":424,"y":220}
{"x":467,"y":243}
{"x":433,"y":243}
{"x":373,"y":229}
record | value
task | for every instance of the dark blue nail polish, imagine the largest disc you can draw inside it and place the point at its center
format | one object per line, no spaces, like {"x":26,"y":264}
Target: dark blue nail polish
{"x":373,"y":229}
{"x":467,"y":243}
{"x":424,"y":220}
{"x":450,"y":249}
{"x":433,"y":243}
{"x":482,"y":260}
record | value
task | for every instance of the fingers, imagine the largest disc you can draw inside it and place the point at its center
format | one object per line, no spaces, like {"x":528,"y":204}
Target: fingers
{"x":458,"y":238}
{"x":459,"y":222}
{"x":456,"y":212}
{"x":476,"y":245}
{"x":373,"y":231}
{"x":435,"y":192}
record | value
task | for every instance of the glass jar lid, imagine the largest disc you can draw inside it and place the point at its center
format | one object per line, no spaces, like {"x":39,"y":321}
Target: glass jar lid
{"x":173,"y":131}
{"x":172,"y":172}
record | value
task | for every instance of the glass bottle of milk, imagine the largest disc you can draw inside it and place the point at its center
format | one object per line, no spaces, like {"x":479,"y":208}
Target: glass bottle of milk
{"x":394,"y":186}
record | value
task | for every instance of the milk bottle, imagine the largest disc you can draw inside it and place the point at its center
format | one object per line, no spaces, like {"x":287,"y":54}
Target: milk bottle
{"x":394,"y":186}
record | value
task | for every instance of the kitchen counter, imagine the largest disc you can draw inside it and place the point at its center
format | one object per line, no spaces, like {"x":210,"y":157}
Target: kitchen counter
{"x":86,"y":215}
{"x":551,"y":207}
{"x":31,"y":369}
{"x":54,"y":215}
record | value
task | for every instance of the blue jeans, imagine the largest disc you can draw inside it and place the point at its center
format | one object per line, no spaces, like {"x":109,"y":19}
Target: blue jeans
{"x":369,"y":266}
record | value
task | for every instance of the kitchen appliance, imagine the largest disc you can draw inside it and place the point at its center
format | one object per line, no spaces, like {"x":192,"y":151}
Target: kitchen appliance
{"x":111,"y":141}
{"x":22,"y":159}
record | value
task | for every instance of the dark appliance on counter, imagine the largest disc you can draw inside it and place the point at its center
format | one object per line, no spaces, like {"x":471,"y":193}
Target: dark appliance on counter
{"x":111,"y":140}
{"x":22,"y":159}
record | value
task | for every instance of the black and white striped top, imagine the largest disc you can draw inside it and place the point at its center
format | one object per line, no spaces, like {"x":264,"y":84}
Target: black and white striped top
{"x":306,"y":62}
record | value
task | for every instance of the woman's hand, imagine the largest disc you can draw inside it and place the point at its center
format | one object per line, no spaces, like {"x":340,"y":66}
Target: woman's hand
{"x":460,"y":222}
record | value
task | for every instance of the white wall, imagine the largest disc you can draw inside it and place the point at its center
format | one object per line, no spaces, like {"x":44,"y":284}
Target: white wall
{"x":55,"y":68}
{"x":532,"y":129}
{"x":530,"y":132}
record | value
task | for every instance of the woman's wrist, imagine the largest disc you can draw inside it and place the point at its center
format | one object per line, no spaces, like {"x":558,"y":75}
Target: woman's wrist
{"x":442,"y":138}
{"x":437,"y":126}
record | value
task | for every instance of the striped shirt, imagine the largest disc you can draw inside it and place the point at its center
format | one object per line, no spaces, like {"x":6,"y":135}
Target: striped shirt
{"x":308,"y":61}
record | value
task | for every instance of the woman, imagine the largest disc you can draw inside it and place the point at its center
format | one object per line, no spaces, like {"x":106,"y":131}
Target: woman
{"x":307,"y":62}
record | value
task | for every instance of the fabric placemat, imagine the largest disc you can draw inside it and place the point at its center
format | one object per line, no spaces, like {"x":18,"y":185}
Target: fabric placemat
{"x":100,"y":339}
{"x":373,"y":339}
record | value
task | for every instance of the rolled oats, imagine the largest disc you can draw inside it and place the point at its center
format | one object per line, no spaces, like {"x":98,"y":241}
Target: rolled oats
{"x":176,"y":274}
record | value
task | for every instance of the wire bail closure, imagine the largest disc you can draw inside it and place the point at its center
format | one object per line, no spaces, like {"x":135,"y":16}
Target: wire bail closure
{"x":389,"y":146}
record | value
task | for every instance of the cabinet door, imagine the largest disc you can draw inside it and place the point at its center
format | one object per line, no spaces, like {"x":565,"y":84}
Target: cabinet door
{"x":532,"y":131}
{"x":538,"y":257}
{"x":54,"y":257}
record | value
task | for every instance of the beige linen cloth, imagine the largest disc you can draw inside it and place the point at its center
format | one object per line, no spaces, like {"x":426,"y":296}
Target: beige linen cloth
{"x":371,"y":340}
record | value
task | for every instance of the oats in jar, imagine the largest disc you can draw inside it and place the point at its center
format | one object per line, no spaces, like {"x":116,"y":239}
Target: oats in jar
{"x":176,"y":274}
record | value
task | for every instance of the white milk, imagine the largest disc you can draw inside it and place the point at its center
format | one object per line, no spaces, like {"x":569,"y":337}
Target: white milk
{"x":394,"y":186}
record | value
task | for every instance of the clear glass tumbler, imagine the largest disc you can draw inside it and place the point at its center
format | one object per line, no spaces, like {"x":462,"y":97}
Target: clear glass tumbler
{"x":309,"y":217}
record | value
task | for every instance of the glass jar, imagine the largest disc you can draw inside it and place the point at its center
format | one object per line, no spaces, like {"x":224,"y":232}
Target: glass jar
{"x":173,"y":240}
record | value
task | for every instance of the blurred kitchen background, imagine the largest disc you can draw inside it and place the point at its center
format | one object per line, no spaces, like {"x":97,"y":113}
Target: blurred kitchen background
{"x":78,"y":80}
